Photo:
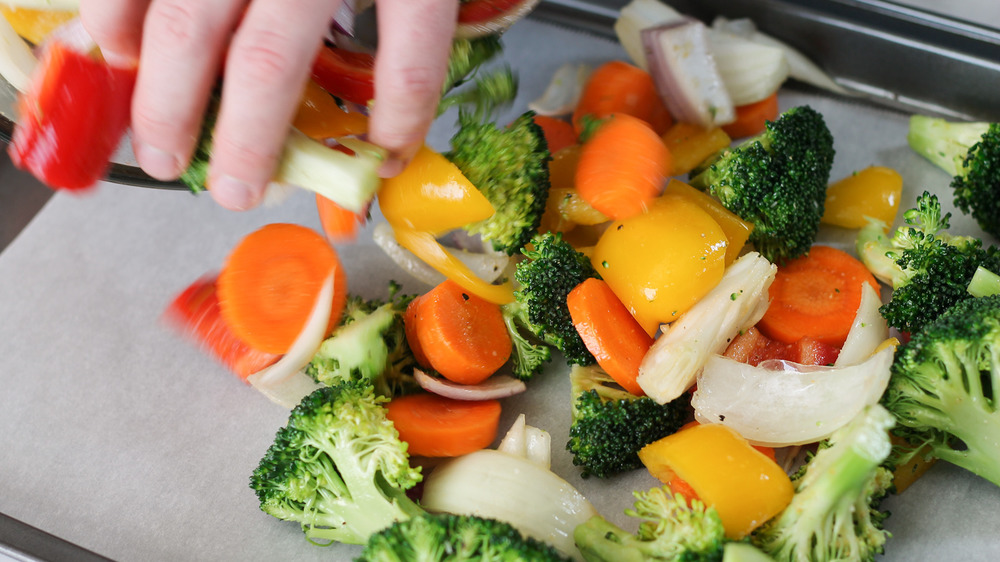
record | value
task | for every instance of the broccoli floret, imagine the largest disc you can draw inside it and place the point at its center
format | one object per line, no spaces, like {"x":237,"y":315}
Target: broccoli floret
{"x":928,"y":269}
{"x":834,"y":513}
{"x":670,"y":530}
{"x":369,"y":345}
{"x":490,"y":89}
{"x":509,"y":166}
{"x":970,"y":153}
{"x":338,"y":468}
{"x":776,"y":181}
{"x":944,"y":383}
{"x":530,"y":355}
{"x":610,"y":424}
{"x":552,"y":269}
{"x":455,"y":538}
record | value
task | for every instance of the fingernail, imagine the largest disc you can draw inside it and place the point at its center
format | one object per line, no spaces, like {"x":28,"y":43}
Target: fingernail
{"x":158,"y":163}
{"x":233,"y":193}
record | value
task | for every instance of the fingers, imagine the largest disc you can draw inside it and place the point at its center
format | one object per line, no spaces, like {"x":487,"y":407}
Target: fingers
{"x":182,"y":46}
{"x":116,"y":26}
{"x":414,"y":41}
{"x":269,"y":61}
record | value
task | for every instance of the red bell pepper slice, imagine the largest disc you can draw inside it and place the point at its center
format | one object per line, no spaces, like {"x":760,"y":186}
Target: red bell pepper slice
{"x":196,"y":314}
{"x":72,"y":118}
{"x":478,"y":11}
{"x":346,"y":74}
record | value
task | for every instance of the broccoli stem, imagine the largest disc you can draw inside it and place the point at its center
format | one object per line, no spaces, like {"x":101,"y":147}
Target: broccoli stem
{"x":349,"y":181}
{"x":944,"y":143}
{"x":984,"y":283}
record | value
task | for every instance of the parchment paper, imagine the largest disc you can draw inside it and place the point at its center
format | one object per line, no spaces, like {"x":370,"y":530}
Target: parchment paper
{"x":125,"y":439}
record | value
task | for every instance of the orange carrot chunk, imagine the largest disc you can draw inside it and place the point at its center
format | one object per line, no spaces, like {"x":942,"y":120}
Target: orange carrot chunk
{"x":462,"y":336}
{"x":815,"y":296}
{"x":339,"y":224}
{"x":622,"y":167}
{"x":751,"y":119}
{"x":410,"y":329}
{"x":270,"y":282}
{"x":435,"y":426}
{"x":617,"y":87}
{"x":558,"y":133}
{"x":609,"y":331}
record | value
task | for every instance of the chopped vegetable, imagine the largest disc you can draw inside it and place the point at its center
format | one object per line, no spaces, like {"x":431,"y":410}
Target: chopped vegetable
{"x":493,"y":388}
{"x":532,"y":443}
{"x":751,"y":119}
{"x":195,"y":313}
{"x":435,"y":426}
{"x":834,"y":512}
{"x":752,"y":72}
{"x":563,"y":92}
{"x":463,"y":336}
{"x":617,"y":87}
{"x":685,"y":73}
{"x":339,"y":224}
{"x":348,"y":75}
{"x":817,"y":296}
{"x":734,"y":304}
{"x":17,"y":61}
{"x":609,"y":331}
{"x":742,"y":484}
{"x":558,"y":133}
{"x":320,"y":116}
{"x":510,"y":488}
{"x":636,"y":16}
{"x":622,"y":167}
{"x":337,"y":467}
{"x":737,"y":230}
{"x":872,"y":192}
{"x":662,"y":262}
{"x":71,"y":118}
{"x":670,"y":529}
{"x":752,"y":347}
{"x":610,"y":425}
{"x":482,"y":17}
{"x":35,"y":24}
{"x":445,"y":537}
{"x":970,"y":152}
{"x":270,"y":281}
{"x":690,"y":145}
{"x":777,"y":181}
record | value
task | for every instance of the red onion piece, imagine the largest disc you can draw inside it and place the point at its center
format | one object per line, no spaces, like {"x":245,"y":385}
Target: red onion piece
{"x":497,"y":386}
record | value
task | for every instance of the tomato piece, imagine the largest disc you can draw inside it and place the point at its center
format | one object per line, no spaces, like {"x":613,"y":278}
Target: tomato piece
{"x":72,"y":118}
{"x":477,"y":11}
{"x":752,"y":347}
{"x":346,"y":74}
{"x":196,"y":313}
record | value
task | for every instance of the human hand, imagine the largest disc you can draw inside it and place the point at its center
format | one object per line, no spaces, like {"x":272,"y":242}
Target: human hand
{"x":180,"y":46}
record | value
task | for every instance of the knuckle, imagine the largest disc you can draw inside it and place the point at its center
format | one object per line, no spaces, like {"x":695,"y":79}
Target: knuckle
{"x":266,"y":56}
{"x":177,"y":24}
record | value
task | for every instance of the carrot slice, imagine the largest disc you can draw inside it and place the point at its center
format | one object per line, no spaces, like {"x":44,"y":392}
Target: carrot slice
{"x":815,"y":296}
{"x":463,"y":336}
{"x":435,"y":426}
{"x":617,"y":87}
{"x":751,"y":119}
{"x":609,"y":331}
{"x":269,"y":284}
{"x":410,"y":329}
{"x":622,"y":167}
{"x":339,"y":224}
{"x":558,"y":133}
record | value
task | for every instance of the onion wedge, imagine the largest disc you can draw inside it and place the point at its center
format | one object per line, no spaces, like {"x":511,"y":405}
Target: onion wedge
{"x":529,"y":442}
{"x":780,"y":403}
{"x":284,"y":382}
{"x":495,"y":387}
{"x":563,"y":92}
{"x":486,"y":265}
{"x":17,"y":62}
{"x":868,"y":331}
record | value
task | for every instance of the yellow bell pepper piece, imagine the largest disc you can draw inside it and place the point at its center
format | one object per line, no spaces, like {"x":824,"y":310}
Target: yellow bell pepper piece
{"x":432,"y":195}
{"x":661,"y":262}
{"x":691,"y":145}
{"x":34,"y":25}
{"x":427,"y":248}
{"x":873,"y":192}
{"x":736,"y":229}
{"x":745,"y":486}
{"x":319,"y":116}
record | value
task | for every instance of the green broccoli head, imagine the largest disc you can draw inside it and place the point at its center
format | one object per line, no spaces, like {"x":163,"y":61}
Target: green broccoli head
{"x":338,"y":467}
{"x":610,"y":425}
{"x":455,"y":538}
{"x":530,"y":355}
{"x":970,"y":153}
{"x":671,"y":530}
{"x":776,"y":181}
{"x":552,"y":269}
{"x":510,"y":167}
{"x":943,"y":385}
{"x":369,"y":345}
{"x":929,"y":269}
{"x":834,"y":513}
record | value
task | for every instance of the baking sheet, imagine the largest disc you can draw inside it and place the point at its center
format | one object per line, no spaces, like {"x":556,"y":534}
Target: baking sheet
{"x":126,"y":440}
